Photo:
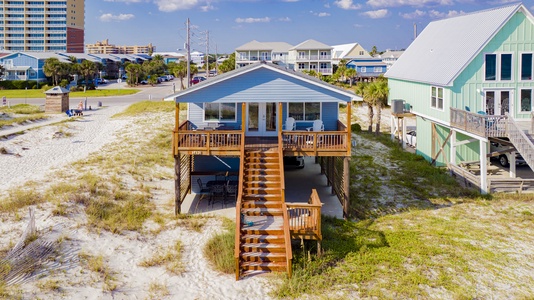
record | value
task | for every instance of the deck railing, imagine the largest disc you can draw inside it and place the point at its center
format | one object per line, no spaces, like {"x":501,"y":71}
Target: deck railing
{"x":187,"y":139}
{"x":315,"y":140}
{"x":479,"y":124}
{"x":237,"y":248}
{"x":521,"y":142}
{"x":287,"y":236}
{"x":305,"y":218}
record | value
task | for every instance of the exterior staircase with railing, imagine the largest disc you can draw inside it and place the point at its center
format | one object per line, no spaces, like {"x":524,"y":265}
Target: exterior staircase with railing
{"x":262,"y":233}
{"x":523,"y":142}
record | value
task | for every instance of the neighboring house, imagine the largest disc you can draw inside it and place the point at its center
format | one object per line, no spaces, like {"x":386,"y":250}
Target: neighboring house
{"x":367,"y":68}
{"x":390,"y":57}
{"x":27,"y":65}
{"x":311,"y":55}
{"x":479,"y":62}
{"x":235,"y":130}
{"x":254,"y":51}
{"x":348,"y":52}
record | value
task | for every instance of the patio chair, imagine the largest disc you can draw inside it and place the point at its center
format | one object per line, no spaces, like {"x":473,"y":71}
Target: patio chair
{"x":231,"y":193}
{"x":467,"y":108}
{"x":217,"y":194}
{"x":69,"y":113}
{"x":290,"y":124}
{"x":317,"y":126}
{"x":202,"y":191}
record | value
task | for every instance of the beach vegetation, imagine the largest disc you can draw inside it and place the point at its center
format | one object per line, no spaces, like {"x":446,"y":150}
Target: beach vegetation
{"x":170,"y":258}
{"x":144,"y":107}
{"x":96,"y":264}
{"x":49,"y":285}
{"x":158,"y":290}
{"x":219,"y":249}
{"x":19,"y":198}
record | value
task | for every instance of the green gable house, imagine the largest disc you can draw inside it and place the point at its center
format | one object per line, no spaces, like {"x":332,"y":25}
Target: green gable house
{"x":468,"y":80}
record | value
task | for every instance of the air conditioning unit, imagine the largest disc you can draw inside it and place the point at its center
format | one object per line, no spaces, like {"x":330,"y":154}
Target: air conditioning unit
{"x":397,"y":106}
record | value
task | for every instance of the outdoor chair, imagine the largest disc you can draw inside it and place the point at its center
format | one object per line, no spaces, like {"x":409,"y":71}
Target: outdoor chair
{"x":217,"y":194}
{"x":317,"y":126}
{"x":231,"y":193}
{"x":290,"y":125}
{"x":467,"y":108}
{"x":69,"y":113}
{"x":202,"y":191}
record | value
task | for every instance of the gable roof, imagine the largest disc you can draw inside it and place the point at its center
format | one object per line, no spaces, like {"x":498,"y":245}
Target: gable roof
{"x":342,"y":51}
{"x":311,"y":45}
{"x":38,"y":55}
{"x":297,"y":76}
{"x":445,"y":47}
{"x":258,"y":46}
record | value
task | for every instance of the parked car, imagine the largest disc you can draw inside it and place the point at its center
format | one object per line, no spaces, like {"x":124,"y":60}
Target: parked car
{"x":163,"y":78}
{"x":297,"y":161}
{"x":411,"y":138}
{"x":504,"y":159}
{"x":169,"y":77}
{"x":143,"y":82}
{"x":197,"y":79}
{"x":101,"y":81}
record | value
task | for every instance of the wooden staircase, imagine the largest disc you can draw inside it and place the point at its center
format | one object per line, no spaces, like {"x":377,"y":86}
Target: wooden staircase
{"x":262,"y":237}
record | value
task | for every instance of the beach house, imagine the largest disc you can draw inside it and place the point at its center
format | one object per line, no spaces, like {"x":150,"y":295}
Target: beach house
{"x":240,"y":125}
{"x":468,"y":80}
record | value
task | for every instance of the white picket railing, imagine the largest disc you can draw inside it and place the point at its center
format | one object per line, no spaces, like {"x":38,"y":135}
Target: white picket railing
{"x":521,"y":141}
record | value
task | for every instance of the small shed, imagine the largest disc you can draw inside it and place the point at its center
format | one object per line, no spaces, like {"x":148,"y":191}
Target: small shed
{"x":57,"y":99}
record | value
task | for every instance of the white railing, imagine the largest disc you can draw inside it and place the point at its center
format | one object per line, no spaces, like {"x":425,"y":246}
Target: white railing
{"x":521,"y":142}
{"x":314,"y":57}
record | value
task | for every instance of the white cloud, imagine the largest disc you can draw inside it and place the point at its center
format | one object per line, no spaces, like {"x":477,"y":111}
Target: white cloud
{"x":376,"y":14}
{"x":418,"y":3}
{"x":207,"y":7}
{"x":347,"y":4}
{"x":290,"y":0}
{"x":413,"y":15}
{"x":253,"y":20}
{"x":285,"y":19}
{"x":441,"y":15}
{"x":357,"y":26}
{"x":173,"y":5}
{"x":118,"y":18}
{"x":323,"y":14}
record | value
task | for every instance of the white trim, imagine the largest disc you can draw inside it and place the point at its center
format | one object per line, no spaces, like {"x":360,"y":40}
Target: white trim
{"x":520,"y":111}
{"x":442,"y":98}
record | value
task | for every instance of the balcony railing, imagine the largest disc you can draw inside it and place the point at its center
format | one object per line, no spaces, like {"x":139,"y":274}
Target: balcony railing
{"x":314,"y":57}
{"x":479,"y":124}
{"x":305,"y":218}
{"x":254,"y":58}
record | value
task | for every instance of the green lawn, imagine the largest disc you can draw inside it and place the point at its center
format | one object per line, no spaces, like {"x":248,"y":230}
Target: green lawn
{"x":10,"y":94}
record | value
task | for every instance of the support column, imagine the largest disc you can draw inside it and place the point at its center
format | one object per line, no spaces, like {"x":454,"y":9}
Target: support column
{"x":346,"y":186}
{"x":403,"y":133}
{"x":483,"y":167}
{"x":177,"y":192}
{"x":453,"y":147}
{"x":512,"y":165}
{"x":349,"y":129}
{"x":392,"y":126}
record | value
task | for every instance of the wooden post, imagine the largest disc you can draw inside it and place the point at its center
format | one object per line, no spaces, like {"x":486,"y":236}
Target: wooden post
{"x":403,"y":132}
{"x":243,"y":117}
{"x":483,"y":168}
{"x":349,"y":130}
{"x":279,"y":116}
{"x":177,"y":178}
{"x":453,"y":147}
{"x":346,"y":186}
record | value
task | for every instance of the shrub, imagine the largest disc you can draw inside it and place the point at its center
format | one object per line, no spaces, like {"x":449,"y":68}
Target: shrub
{"x":356,"y":127}
{"x":64,"y":83}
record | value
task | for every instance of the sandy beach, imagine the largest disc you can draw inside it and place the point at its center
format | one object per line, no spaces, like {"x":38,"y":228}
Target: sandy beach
{"x":38,"y":154}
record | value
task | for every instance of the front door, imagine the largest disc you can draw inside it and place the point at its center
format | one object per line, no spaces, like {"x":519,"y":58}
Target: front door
{"x":261,"y":119}
{"x":498,"y":102}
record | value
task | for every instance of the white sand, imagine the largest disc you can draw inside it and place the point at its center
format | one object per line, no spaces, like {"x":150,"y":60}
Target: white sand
{"x":35,"y":155}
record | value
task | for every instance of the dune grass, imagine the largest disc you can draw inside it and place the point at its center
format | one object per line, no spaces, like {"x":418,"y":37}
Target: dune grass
{"x":147,"y":107}
{"x":21,"y":113}
{"x":170,"y":258}
{"x":19,"y":94}
{"x":219,"y":250}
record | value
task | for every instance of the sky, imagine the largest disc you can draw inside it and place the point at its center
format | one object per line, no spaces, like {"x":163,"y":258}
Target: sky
{"x":386,"y":24}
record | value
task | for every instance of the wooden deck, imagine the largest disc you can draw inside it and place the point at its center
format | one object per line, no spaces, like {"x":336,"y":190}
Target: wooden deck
{"x":187,"y":140}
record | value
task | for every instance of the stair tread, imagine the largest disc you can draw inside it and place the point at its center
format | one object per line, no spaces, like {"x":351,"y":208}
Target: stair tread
{"x":264,"y":254}
{"x":263,"y":264}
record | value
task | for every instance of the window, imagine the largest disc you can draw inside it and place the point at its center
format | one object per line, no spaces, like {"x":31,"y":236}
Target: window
{"x":305,"y":111}
{"x":498,"y":67}
{"x":363,"y":69}
{"x":491,"y":67}
{"x":301,"y":66}
{"x":437,"y":98}
{"x":526,"y":100}
{"x":219,"y":112}
{"x":302,"y":54}
{"x":526,"y":66}
{"x":378,"y":69}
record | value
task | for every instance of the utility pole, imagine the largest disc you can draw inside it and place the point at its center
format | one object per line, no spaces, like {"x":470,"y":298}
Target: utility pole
{"x":188,"y":48}
{"x":216,"y":60}
{"x":207,"y":53}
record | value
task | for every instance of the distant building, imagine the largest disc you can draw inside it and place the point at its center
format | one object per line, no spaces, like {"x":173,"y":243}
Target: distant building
{"x":367,"y":68}
{"x":104,"y":47}
{"x":390,"y":57}
{"x":348,"y":52}
{"x":42,"y":26}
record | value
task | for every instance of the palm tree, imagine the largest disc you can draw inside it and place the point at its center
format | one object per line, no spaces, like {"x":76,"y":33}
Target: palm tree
{"x":134,"y":71}
{"x":363,"y":90}
{"x":51,"y":69}
{"x":381,"y":92}
{"x":350,"y":73}
{"x":87,"y":68}
{"x":228,"y":65}
{"x":179,"y":70}
{"x":158,"y":57}
{"x":341,"y":69}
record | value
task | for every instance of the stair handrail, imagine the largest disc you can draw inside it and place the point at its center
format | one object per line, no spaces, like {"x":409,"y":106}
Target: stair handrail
{"x":287,"y":236}
{"x":238,"y":206}
{"x":521,"y":141}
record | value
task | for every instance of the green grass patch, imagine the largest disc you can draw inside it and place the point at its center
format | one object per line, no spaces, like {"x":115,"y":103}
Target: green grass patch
{"x":116,"y":216}
{"x":219,"y":250}
{"x":20,"y":198}
{"x":19,"y":94}
{"x":171,"y":258}
{"x":144,"y":107}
